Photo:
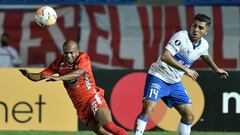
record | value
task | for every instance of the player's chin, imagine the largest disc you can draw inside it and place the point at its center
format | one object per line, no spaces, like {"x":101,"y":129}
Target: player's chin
{"x":195,"y":38}
{"x":70,"y":61}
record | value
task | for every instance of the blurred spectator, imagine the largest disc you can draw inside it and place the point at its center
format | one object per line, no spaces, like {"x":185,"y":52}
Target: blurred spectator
{"x":8,"y":55}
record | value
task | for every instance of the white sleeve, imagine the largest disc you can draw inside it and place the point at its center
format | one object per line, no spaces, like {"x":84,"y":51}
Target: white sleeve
{"x":175,"y":43}
{"x":205,"y":52}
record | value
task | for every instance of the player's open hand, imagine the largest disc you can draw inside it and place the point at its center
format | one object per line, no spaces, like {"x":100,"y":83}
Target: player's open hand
{"x":223,"y":74}
{"x":24,"y":72}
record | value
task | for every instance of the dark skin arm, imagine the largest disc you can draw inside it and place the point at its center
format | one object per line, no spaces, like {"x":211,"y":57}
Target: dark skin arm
{"x":66,"y":77}
{"x":32,"y":76}
{"x":208,"y":59}
{"x":168,"y":58}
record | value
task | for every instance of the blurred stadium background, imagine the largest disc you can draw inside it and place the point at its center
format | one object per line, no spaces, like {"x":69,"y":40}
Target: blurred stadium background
{"x":122,"y":37}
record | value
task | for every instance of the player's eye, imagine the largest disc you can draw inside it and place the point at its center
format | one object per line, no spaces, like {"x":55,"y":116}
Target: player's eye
{"x":66,"y":53}
{"x":200,"y":27}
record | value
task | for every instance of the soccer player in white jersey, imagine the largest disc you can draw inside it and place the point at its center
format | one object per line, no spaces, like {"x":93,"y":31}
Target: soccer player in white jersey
{"x":164,"y":76}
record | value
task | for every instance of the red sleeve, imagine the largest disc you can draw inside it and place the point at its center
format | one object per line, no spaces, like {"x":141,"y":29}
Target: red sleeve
{"x":53,"y":67}
{"x":84,"y":61}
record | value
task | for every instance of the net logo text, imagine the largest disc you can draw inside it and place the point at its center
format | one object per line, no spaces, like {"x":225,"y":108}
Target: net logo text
{"x":22,"y":111}
{"x":234,"y":97}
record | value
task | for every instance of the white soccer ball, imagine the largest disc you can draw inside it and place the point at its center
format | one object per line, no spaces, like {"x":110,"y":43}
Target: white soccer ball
{"x":45,"y":16}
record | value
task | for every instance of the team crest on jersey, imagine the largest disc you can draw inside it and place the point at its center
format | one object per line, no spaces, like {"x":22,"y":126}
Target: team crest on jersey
{"x":61,"y":66}
{"x":155,"y":86}
{"x":177,"y":42}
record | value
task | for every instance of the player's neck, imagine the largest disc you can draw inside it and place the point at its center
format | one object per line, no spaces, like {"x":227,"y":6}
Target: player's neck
{"x":194,"y":42}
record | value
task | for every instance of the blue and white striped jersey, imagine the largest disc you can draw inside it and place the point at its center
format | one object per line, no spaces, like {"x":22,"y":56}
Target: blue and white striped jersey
{"x":184,"y":52}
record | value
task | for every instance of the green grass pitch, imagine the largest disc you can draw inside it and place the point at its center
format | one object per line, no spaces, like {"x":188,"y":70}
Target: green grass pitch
{"x":91,"y":133}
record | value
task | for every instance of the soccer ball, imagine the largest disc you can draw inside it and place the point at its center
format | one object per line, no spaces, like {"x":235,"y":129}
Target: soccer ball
{"x":45,"y":16}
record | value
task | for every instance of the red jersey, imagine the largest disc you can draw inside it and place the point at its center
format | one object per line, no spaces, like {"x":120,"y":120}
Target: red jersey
{"x":81,"y":90}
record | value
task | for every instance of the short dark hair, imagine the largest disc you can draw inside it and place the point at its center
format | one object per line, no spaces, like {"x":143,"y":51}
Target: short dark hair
{"x":203,"y":18}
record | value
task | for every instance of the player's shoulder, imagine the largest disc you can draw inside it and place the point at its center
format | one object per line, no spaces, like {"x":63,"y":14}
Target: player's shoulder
{"x":83,"y":56}
{"x":59,"y":58}
{"x":179,"y":38}
{"x":204,"y":42}
{"x":181,"y":34}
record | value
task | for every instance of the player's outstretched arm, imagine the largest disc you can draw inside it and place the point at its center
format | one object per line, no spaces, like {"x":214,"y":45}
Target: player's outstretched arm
{"x":67,"y":77}
{"x":208,"y":59}
{"x":32,"y":76}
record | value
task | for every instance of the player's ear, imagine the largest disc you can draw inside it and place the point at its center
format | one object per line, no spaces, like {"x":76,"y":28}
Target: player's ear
{"x":206,"y":31}
{"x":77,"y":53}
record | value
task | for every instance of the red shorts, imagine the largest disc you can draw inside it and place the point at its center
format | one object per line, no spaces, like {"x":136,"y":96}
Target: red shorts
{"x":91,"y":106}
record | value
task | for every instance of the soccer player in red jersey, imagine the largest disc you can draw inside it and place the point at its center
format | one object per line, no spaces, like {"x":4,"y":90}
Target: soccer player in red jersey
{"x":74,"y":69}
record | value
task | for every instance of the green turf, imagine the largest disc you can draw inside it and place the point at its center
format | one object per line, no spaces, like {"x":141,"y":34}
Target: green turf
{"x":91,"y":133}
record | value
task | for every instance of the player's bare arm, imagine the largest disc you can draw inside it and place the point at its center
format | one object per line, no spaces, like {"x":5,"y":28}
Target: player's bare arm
{"x":67,"y":77}
{"x":208,"y":59}
{"x":168,"y":58}
{"x":32,"y":76}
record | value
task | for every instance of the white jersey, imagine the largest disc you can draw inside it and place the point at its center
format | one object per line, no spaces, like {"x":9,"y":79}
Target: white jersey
{"x":184,"y":52}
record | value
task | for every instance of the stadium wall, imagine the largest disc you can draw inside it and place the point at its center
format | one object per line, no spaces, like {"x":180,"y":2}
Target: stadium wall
{"x":121,"y":36}
{"x":124,"y":34}
{"x":26,"y":105}
{"x":215,"y":101}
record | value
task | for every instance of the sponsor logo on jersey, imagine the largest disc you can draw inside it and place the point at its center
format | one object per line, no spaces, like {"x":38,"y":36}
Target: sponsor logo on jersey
{"x":156,"y":86}
{"x":174,"y":47}
{"x":177,"y":42}
{"x":87,"y":82}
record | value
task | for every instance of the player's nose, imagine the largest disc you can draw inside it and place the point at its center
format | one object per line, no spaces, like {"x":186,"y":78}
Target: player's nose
{"x":68,"y":55}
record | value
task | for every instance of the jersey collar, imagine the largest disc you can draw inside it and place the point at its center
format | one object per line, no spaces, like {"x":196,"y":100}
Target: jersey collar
{"x":194,"y":46}
{"x":198,"y":44}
